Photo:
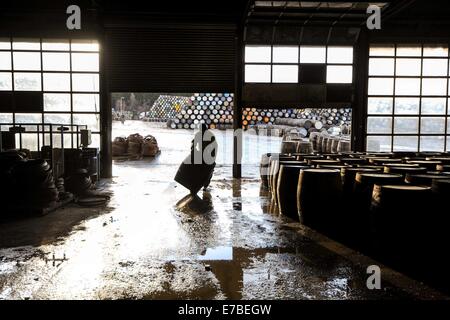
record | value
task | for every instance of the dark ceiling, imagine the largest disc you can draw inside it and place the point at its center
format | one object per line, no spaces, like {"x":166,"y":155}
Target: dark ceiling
{"x":298,"y":12}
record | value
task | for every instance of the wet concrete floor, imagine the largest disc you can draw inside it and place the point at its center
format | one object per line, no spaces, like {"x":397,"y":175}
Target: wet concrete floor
{"x":154,"y":241}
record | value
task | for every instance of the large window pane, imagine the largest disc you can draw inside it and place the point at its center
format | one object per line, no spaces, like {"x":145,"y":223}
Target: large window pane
{"x":432,"y":125}
{"x":27,"y":81}
{"x":5,"y":44}
{"x":57,"y":140}
{"x":6,"y":118}
{"x":377,"y":105}
{"x":28,"y":118}
{"x":56,"y":102}
{"x":56,"y":45}
{"x":407,"y":105}
{"x":406,"y":143}
{"x":405,"y":125}
{"x":434,"y":87}
{"x":26,"y":44}
{"x":257,"y":73}
{"x":339,"y":74}
{"x":312,"y":54}
{"x":29,"y":141}
{"x":435,"y":51}
{"x":5,"y":60}
{"x":56,"y":81}
{"x":91,"y":120}
{"x":379,"y":125}
{"x":258,"y":54}
{"x":409,"y":51}
{"x":56,"y":61}
{"x":84,"y":45}
{"x":379,"y":143}
{"x":95,"y":137}
{"x":433,"y":105}
{"x":448,"y":144}
{"x":434,"y":143}
{"x":435,"y":67}
{"x":408,"y":67}
{"x":57,"y":118}
{"x":381,"y":67}
{"x":407,"y":87}
{"x":5,"y":81}
{"x":286,"y":54}
{"x":381,"y":86}
{"x":285,"y":74}
{"x":340,"y":55}
{"x":85,"y":82}
{"x":85,"y":62}
{"x":28,"y":61}
{"x":382,"y":50}
{"x":86,"y":102}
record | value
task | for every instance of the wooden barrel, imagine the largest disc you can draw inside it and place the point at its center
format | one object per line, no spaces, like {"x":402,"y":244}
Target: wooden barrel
{"x":289,"y":147}
{"x":287,"y":189}
{"x":429,"y":164}
{"x":348,"y":176}
{"x":273,"y":163}
{"x":324,"y":144}
{"x":423,"y":179}
{"x":404,"y":170}
{"x":329,"y":144}
{"x":264,"y":169}
{"x":382,"y":161}
{"x":319,"y":193}
{"x":319,"y":143}
{"x":405,"y":154}
{"x":316,"y":162}
{"x":335,"y":167}
{"x":380,"y":168}
{"x":334,"y":145}
{"x":441,"y":187}
{"x":353,"y":161}
{"x":364,"y":183}
{"x":442,"y":160}
{"x":398,"y":215}
{"x":344,"y":146}
{"x":304,"y":147}
{"x":314,"y":138}
{"x":275,"y":174}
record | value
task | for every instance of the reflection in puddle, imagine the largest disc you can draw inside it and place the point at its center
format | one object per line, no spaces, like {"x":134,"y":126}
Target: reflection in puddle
{"x":193,"y":204}
{"x":218,"y":253}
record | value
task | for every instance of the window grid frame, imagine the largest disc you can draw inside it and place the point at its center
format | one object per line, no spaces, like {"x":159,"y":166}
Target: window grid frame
{"x":392,"y":115}
{"x":41,"y":52}
{"x":297,"y":63}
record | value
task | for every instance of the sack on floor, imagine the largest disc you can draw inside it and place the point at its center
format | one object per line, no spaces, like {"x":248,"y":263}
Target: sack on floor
{"x":150,"y":146}
{"x":135,"y":144}
{"x":119,"y":146}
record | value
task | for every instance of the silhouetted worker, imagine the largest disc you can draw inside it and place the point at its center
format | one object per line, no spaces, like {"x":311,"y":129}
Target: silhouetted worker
{"x":197,"y":169}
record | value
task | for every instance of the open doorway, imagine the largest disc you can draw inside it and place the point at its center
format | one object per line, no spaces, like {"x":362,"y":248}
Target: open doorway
{"x":172,"y":119}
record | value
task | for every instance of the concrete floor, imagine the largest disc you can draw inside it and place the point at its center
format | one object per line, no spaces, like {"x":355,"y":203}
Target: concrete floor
{"x":153,"y":241}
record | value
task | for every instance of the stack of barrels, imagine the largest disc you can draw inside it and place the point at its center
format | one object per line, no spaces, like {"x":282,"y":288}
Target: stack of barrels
{"x":388,"y":205}
{"x":213,"y":109}
{"x":318,"y":118}
{"x":166,"y":107}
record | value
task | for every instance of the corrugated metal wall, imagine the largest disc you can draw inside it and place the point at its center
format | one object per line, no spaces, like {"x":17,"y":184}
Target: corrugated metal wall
{"x":172,"y":58}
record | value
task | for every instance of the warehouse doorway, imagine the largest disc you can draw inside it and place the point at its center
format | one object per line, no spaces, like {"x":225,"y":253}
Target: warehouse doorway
{"x":172,"y":119}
